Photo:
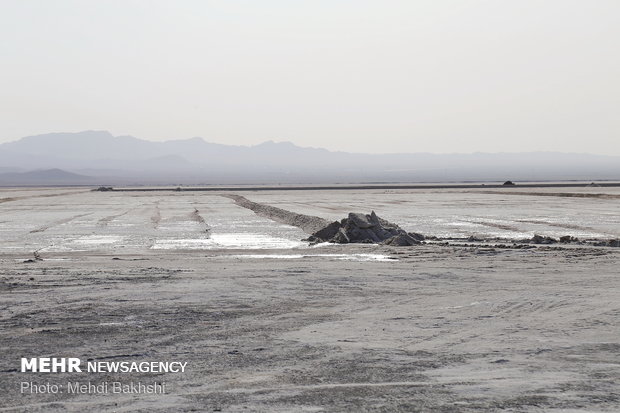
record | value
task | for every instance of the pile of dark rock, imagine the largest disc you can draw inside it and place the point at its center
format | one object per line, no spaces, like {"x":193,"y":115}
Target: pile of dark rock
{"x":610,"y":243}
{"x":365,"y":228}
{"x":568,"y":239}
{"x":539,"y":239}
{"x":104,"y":189}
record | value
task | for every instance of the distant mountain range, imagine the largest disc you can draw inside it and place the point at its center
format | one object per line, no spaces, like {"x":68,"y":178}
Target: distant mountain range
{"x":45,"y":177}
{"x":97,"y":157}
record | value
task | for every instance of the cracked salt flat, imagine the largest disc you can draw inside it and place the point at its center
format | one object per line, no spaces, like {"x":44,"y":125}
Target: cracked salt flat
{"x":459,"y":213}
{"x":134,"y":223}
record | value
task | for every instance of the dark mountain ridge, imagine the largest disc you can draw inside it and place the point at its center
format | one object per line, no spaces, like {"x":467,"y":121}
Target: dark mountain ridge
{"x":98,"y":154}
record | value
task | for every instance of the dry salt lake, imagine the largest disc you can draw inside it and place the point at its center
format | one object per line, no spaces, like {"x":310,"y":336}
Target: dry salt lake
{"x":124,"y":222}
{"x":267,"y":322}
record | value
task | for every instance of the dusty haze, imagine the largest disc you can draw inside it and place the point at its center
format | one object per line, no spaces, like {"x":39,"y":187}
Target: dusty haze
{"x":97,"y":157}
{"x":358,"y":76}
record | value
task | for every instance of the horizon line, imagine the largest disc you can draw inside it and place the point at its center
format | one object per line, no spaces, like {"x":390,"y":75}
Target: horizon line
{"x":273,"y":141}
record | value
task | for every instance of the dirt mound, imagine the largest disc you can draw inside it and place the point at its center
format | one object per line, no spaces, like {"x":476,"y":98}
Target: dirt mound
{"x":567,"y":239}
{"x":307,"y":223}
{"x":365,"y":228}
{"x":539,"y":239}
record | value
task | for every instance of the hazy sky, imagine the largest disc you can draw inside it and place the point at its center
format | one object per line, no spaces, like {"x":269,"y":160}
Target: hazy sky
{"x":364,"y":76}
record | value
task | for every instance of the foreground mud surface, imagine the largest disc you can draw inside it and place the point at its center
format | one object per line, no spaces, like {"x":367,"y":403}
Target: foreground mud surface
{"x":424,"y":328}
{"x":268,"y":323}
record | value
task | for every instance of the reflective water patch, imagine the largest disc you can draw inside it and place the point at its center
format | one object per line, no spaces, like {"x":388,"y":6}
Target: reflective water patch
{"x":345,"y":257}
{"x":229,"y":241}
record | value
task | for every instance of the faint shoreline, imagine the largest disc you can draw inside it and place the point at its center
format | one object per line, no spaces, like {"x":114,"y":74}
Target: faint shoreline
{"x":368,"y":187}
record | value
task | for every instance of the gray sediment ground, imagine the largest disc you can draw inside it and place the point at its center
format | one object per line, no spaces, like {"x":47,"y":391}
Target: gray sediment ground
{"x":457,"y":324}
{"x":431,"y":329}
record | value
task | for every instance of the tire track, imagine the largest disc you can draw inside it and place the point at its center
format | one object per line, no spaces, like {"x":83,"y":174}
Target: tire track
{"x":499,"y":226}
{"x":195,"y":216}
{"x":324,"y":207}
{"x":331,"y":386}
{"x":529,"y":306}
{"x":106,"y":220}
{"x":19,"y":198}
{"x":558,"y":225}
{"x":59,"y":222}
{"x":558,"y":194}
{"x":156,"y":217}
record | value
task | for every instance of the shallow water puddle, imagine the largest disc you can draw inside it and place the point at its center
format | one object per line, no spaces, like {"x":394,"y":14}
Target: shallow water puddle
{"x":345,"y":257}
{"x":99,"y":239}
{"x":85,"y":243}
{"x":229,"y":241}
